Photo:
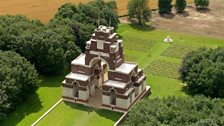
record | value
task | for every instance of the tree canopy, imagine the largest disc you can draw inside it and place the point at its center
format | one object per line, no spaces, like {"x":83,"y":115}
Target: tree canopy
{"x":203,"y":72}
{"x":201,"y":4}
{"x":139,"y":9}
{"x":51,"y":47}
{"x":18,"y":79}
{"x":172,"y":111}
{"x":165,"y":6}
{"x":180,"y":5}
{"x":84,"y":18}
{"x":46,"y":47}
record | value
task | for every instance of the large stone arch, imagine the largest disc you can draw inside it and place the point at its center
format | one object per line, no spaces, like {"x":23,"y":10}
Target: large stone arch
{"x":91,"y":63}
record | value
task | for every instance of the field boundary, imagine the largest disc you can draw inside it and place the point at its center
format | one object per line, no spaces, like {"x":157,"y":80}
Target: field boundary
{"x":46,"y":113}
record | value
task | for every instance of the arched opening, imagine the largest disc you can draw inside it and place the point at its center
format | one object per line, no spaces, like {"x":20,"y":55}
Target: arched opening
{"x":100,"y":71}
{"x":75,"y":89}
{"x":112,"y":97}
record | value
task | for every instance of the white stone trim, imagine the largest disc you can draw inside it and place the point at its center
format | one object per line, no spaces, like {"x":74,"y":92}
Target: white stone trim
{"x":99,"y":53}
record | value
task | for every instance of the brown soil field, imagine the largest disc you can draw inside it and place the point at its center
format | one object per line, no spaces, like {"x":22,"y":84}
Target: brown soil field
{"x":45,"y":9}
{"x":208,"y":22}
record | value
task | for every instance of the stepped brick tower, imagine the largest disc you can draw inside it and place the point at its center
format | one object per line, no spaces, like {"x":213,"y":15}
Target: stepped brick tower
{"x":100,"y":74}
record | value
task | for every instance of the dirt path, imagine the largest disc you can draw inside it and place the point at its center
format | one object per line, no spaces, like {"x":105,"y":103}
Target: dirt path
{"x":207,"y":22}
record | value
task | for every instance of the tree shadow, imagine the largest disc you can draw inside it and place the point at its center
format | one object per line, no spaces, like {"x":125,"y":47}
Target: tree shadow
{"x":186,"y":90}
{"x":143,"y":27}
{"x":184,"y":14}
{"x":31,"y":105}
{"x":51,"y":81}
{"x":111,"y":115}
{"x":203,"y":10}
{"x":167,"y":15}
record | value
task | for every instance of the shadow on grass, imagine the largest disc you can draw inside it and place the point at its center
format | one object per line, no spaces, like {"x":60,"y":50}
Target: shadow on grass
{"x":143,"y":27}
{"x":186,"y":90}
{"x":111,"y":115}
{"x":51,"y":81}
{"x":31,"y":105}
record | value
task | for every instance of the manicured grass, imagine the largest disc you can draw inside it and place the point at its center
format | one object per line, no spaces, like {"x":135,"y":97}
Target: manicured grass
{"x":163,"y":68}
{"x":36,"y":105}
{"x":160,"y":61}
{"x":69,"y":114}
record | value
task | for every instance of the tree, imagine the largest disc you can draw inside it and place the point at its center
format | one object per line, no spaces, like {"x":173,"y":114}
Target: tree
{"x":48,"y":48}
{"x":180,"y":5}
{"x":165,"y":6}
{"x":139,"y":9}
{"x":18,"y":79}
{"x":84,"y":18}
{"x":202,"y":71}
{"x":177,"y":111}
{"x":201,"y":4}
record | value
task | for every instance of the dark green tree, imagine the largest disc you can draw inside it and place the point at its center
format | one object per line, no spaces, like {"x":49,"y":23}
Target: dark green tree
{"x":202,"y":71}
{"x":180,"y":5}
{"x":139,"y":9}
{"x":18,"y":79}
{"x":201,"y":4}
{"x":165,"y":6}
{"x":181,"y":111}
{"x":44,"y":46}
{"x":84,"y":18}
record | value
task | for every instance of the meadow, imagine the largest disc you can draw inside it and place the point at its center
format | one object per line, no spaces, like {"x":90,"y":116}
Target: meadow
{"x":44,"y":10}
{"x":160,"y":62}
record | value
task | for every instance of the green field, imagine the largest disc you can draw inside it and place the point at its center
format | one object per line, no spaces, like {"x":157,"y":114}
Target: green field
{"x":160,"y":62}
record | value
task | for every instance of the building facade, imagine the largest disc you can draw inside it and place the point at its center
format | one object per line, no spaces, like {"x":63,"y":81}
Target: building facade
{"x":102,"y":67}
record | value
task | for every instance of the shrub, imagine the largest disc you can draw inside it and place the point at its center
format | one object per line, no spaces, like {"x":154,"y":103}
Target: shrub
{"x":201,"y":4}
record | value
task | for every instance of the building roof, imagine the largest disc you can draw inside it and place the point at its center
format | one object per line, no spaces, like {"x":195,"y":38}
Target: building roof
{"x":115,"y":84}
{"x":126,"y":68}
{"x":77,"y":76}
{"x":80,"y":60}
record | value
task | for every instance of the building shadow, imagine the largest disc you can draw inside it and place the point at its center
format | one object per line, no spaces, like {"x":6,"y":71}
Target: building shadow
{"x":79,"y":107}
{"x":111,"y":115}
{"x":143,"y":27}
{"x":31,"y":105}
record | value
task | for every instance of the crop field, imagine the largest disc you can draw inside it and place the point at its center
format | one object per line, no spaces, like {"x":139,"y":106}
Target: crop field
{"x":44,"y":10}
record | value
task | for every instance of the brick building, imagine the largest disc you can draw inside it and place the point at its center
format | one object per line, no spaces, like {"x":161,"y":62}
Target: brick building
{"x":102,"y":69}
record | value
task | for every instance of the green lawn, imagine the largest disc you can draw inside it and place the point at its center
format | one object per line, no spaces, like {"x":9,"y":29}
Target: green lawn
{"x":160,"y":62}
{"x":69,"y":114}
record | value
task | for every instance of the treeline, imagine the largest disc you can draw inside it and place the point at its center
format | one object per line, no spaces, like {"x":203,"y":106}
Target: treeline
{"x":172,"y":111}
{"x":48,"y":47}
